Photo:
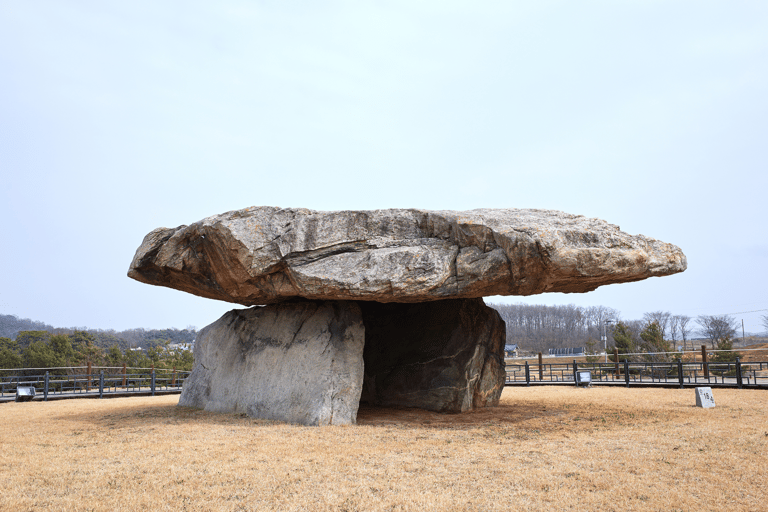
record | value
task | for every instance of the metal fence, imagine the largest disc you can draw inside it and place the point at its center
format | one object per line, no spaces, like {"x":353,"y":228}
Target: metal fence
{"x":676,"y":374}
{"x":76,"y":382}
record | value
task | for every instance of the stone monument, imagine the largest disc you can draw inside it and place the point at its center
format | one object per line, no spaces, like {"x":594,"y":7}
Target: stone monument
{"x":381,"y":306}
{"x":704,"y":398}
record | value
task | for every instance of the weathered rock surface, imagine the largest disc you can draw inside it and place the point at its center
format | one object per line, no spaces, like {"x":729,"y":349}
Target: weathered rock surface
{"x":300,"y":362}
{"x":445,"y":356}
{"x":263,"y":255}
{"x":309,"y":362}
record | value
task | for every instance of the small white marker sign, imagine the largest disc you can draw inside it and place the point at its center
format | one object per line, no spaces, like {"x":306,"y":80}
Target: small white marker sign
{"x":704,"y":398}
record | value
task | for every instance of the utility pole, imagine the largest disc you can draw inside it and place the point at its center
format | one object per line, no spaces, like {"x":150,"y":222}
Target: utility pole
{"x":605,"y":339}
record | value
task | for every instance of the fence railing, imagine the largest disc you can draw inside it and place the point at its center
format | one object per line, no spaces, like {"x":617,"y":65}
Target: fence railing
{"x":678,"y":374}
{"x":99,"y":381}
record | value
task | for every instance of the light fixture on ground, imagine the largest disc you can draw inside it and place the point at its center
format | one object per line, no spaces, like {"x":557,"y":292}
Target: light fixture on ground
{"x":583,"y":378}
{"x":25,"y":393}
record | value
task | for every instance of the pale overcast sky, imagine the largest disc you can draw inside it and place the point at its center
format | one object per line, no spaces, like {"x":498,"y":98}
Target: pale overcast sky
{"x":120,"y":117}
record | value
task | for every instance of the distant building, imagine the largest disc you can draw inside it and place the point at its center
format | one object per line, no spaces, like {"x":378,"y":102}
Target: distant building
{"x":181,"y":346}
{"x":577,"y":351}
{"x":511,"y":350}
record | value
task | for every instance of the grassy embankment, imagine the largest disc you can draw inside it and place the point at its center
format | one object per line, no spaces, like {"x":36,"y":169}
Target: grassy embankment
{"x":543,"y":448}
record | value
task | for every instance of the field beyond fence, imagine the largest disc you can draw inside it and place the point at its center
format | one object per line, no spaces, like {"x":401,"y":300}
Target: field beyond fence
{"x":542,"y":448}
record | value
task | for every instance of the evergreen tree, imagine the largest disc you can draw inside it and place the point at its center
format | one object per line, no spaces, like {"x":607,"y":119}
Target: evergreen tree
{"x":26,"y":338}
{"x":62,"y":348}
{"x":622,"y":338}
{"x":114,"y":356}
{"x":591,"y":351}
{"x":39,"y":354}
{"x":725,"y":343}
{"x":9,"y":354}
{"x":86,"y":349}
{"x":654,"y":343}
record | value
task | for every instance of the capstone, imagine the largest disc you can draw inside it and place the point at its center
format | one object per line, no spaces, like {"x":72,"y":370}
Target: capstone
{"x":264,"y":255}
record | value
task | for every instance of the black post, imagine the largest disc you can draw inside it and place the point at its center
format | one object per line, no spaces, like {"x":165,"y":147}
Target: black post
{"x":45,"y":389}
{"x":680,"y":371}
{"x":738,"y":373}
{"x":101,"y":384}
{"x":153,"y":380}
{"x":575,"y":370}
{"x":541,"y":368}
{"x":527,"y":374}
{"x":626,"y":372}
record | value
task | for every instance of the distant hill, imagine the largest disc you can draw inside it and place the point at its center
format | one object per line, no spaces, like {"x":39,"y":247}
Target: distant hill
{"x":11,"y":325}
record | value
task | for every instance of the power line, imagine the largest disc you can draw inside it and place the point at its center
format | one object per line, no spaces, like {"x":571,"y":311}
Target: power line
{"x":744,"y":312}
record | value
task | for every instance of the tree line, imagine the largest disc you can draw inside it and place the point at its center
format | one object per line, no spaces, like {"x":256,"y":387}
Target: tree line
{"x":43,"y":349}
{"x":11,"y":326}
{"x":656,"y":337}
{"x":537,"y":328}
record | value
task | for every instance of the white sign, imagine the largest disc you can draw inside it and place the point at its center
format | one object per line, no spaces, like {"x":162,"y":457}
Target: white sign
{"x":704,"y":398}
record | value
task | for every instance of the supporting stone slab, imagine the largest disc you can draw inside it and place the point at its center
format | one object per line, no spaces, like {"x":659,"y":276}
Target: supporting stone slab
{"x":445,"y":356}
{"x":313,"y":362}
{"x":300,"y":362}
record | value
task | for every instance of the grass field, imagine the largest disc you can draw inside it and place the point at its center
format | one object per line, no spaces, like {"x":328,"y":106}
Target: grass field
{"x":543,"y":448}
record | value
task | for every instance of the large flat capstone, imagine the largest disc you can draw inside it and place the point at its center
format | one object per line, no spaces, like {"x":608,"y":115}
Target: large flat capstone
{"x":263,"y":255}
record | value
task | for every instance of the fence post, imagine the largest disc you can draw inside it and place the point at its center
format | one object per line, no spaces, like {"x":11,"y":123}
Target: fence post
{"x":704,"y":361}
{"x":101,"y":384}
{"x":738,"y":373}
{"x":173,"y":380}
{"x":45,"y":389}
{"x":153,"y":380}
{"x":124,"y":374}
{"x":527,"y":374}
{"x":541,"y":368}
{"x":616,"y":358}
{"x":626,"y":372}
{"x":88,"y":377}
{"x":680,"y":371}
{"x":575,"y":370}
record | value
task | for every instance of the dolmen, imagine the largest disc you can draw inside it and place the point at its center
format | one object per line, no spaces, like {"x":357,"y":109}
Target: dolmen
{"x":382,"y":307}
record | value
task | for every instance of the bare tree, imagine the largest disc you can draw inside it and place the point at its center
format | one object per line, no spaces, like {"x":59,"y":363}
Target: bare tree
{"x":765,"y":322}
{"x":682,"y":322}
{"x":718,"y":328}
{"x":661,"y":318}
{"x":674,"y":330}
{"x":538,"y":327}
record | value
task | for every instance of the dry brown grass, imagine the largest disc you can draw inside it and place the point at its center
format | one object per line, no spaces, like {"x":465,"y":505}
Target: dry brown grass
{"x":543,"y":448}
{"x":757,"y":352}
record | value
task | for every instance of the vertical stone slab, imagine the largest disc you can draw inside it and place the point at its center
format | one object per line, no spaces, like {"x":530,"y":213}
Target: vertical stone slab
{"x":704,"y":398}
{"x":300,"y":362}
{"x":445,"y":356}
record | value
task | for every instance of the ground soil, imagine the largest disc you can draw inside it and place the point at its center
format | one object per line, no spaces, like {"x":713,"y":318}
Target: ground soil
{"x":542,"y":448}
